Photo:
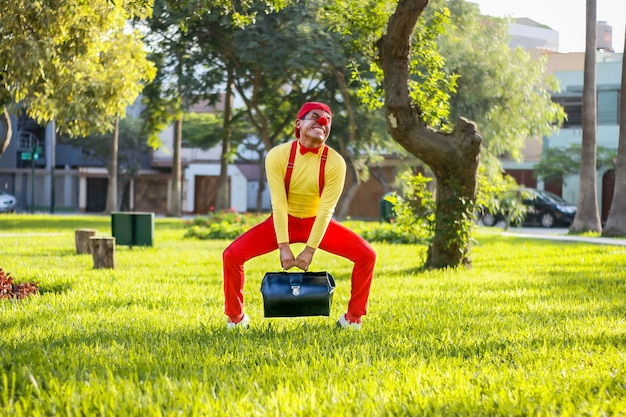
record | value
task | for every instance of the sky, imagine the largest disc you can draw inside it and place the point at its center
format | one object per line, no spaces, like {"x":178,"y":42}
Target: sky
{"x":565,"y":16}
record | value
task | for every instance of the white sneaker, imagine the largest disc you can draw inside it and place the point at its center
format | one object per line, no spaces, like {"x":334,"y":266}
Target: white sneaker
{"x":243,"y":324}
{"x":344,"y":323}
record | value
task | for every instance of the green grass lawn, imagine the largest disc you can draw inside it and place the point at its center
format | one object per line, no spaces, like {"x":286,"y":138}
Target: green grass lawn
{"x":535,"y":328}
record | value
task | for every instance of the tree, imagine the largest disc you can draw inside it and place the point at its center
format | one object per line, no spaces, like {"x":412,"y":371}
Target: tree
{"x":359,"y":132}
{"x":223,"y":190}
{"x":132,"y":149}
{"x":175,"y":87}
{"x":274,"y":82}
{"x":559,"y":163}
{"x":111,"y":202}
{"x":188,"y":38}
{"x":5,"y":130}
{"x":360,"y":24}
{"x":503,"y":90}
{"x":616,"y":222}
{"x":453,"y":157}
{"x":459,"y":66}
{"x":215,"y":33}
{"x":78,"y":65}
{"x":587,"y":215}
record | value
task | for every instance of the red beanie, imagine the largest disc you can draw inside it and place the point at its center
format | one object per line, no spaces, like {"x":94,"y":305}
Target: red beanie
{"x":307,"y":107}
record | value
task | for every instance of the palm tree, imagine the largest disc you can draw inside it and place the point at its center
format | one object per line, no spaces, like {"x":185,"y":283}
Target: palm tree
{"x":587,"y":216}
{"x":616,"y":222}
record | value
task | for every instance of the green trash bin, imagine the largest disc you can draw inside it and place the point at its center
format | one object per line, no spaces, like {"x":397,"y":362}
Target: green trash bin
{"x":387,"y":213}
{"x":133,"y":229}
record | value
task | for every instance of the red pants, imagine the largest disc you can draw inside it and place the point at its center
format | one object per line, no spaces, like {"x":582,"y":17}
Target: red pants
{"x":261,"y":239}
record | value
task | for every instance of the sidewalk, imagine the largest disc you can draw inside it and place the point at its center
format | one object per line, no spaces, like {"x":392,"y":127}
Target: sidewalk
{"x":560,"y":234}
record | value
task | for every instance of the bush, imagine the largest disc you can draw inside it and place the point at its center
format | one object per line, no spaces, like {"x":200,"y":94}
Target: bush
{"x":230,"y":225}
{"x":224,"y":224}
{"x":382,"y":232}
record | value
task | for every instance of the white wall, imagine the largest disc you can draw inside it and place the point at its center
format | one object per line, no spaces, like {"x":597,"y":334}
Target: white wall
{"x":238,"y":184}
{"x":266,"y":201}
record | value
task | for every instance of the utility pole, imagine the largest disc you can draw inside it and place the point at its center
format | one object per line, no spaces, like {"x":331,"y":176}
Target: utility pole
{"x":53,"y":144}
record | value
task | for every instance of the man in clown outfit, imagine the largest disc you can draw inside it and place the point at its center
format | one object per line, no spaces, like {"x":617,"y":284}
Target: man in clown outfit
{"x":306,"y":179}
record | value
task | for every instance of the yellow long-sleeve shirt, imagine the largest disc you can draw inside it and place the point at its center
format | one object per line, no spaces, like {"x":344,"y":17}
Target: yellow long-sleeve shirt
{"x":304,"y":194}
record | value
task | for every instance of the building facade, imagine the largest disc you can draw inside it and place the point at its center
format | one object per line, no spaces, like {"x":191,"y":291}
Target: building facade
{"x":568,"y":68}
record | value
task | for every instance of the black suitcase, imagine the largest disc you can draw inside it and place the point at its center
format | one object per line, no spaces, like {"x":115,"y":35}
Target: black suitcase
{"x":297,"y":294}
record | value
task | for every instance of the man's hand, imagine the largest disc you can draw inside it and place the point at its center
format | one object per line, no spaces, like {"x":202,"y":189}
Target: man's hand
{"x":304,"y":259}
{"x":287,"y":259}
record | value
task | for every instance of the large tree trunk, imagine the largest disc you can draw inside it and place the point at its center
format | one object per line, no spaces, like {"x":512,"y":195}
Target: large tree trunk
{"x":111,"y":204}
{"x":223,"y":189}
{"x":587,"y":216}
{"x":175,"y":207}
{"x":616,"y":222}
{"x":5,"y":131}
{"x":453,"y":157}
{"x":262,"y":182}
{"x":348,"y":193}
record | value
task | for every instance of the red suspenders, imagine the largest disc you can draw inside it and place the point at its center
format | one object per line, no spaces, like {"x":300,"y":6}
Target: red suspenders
{"x":292,"y":158}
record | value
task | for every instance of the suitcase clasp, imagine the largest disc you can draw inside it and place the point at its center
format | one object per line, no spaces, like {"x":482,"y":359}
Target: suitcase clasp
{"x":295,"y":281}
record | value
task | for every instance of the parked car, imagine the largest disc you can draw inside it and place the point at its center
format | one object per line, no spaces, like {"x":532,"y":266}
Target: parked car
{"x":545,"y":209}
{"x":7,"y":203}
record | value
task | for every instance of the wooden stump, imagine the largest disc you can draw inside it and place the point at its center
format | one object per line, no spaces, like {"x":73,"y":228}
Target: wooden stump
{"x":103,"y":251}
{"x":81,"y":237}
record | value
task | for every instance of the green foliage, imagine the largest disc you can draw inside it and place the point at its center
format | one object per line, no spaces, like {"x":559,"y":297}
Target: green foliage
{"x":503,"y":197}
{"x":132,"y":146}
{"x":272,"y":81}
{"x":223,"y":224}
{"x":535,"y":328}
{"x":221,"y":230}
{"x":430,"y":85}
{"x":202,"y":130}
{"x":206,"y":130}
{"x":511,"y":204}
{"x":75,"y":62}
{"x":417,"y":219}
{"x":382,"y":232}
{"x":415,"y":210}
{"x":229,"y":224}
{"x":138,"y":8}
{"x":361,"y":24}
{"x":185,"y":74}
{"x":504,"y":91}
{"x":559,"y":163}
{"x":490,"y":185}
{"x":159,"y":110}
{"x":200,"y":43}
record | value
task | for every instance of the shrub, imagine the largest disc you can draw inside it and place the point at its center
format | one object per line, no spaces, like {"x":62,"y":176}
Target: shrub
{"x":382,"y":232}
{"x":230,"y":225}
{"x":415,"y":212}
{"x":223,"y":224}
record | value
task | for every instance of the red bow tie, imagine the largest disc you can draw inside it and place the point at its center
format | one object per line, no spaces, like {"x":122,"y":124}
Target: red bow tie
{"x":304,"y":150}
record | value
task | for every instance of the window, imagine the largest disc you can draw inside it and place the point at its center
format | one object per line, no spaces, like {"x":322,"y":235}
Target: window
{"x":573,"y":106}
{"x":608,"y":107}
